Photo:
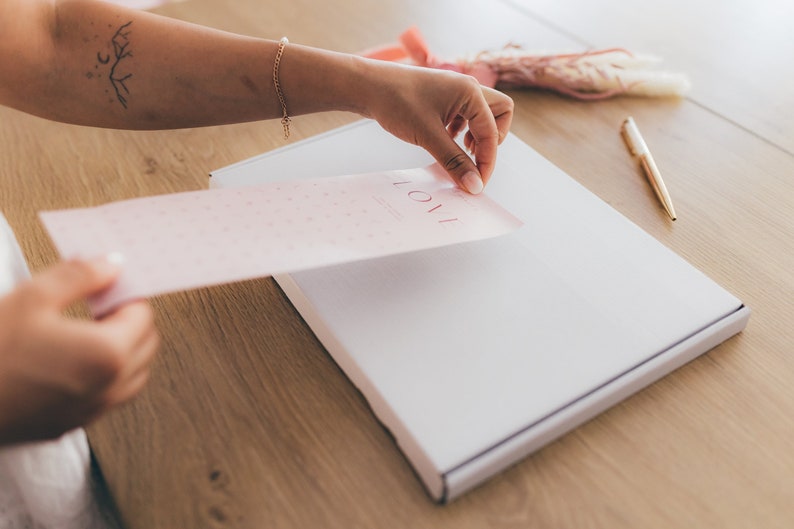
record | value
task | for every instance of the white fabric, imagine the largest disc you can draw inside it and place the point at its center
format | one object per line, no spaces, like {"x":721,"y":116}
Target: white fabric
{"x":44,"y":485}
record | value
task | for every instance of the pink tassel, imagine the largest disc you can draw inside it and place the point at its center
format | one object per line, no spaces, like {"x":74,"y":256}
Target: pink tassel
{"x":590,"y":75}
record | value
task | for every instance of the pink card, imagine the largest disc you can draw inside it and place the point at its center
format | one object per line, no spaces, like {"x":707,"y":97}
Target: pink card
{"x":201,"y":238}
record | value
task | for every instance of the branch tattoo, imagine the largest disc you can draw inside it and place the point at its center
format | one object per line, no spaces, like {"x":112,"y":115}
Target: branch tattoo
{"x":121,"y":51}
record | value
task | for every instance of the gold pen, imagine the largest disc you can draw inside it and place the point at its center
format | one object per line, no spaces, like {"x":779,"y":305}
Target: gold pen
{"x":631,"y":135}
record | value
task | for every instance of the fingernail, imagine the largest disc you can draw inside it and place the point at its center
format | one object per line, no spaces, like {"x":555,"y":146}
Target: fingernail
{"x":472,"y":182}
{"x":109,"y":263}
{"x":116,"y":258}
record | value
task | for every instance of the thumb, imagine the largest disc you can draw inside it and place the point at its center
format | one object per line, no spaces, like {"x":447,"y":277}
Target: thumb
{"x":72,"y":280}
{"x":456,"y":162}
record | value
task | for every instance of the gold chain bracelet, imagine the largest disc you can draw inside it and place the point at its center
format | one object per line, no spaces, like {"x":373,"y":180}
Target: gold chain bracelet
{"x":285,"y":120}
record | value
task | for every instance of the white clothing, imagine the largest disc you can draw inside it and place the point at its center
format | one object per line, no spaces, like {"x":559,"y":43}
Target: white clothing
{"x":44,"y":485}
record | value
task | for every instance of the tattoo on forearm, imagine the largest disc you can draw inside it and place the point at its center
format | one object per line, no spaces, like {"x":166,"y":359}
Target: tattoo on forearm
{"x":121,"y":51}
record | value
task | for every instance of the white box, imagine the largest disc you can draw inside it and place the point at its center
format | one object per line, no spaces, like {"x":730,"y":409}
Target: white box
{"x":475,"y":355}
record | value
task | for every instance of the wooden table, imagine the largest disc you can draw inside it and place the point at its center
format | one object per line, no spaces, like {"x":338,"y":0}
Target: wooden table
{"x":247,"y":422}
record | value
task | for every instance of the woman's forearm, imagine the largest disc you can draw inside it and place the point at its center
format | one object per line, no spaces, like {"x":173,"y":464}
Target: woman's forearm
{"x":107,"y":66}
{"x":95,"y":63}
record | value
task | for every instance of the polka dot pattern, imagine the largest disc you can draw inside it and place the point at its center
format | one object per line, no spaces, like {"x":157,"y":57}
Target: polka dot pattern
{"x":200,"y":238}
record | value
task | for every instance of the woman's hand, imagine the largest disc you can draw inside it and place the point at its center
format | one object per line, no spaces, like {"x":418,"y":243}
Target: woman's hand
{"x":430,"y":107}
{"x":57,"y":373}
